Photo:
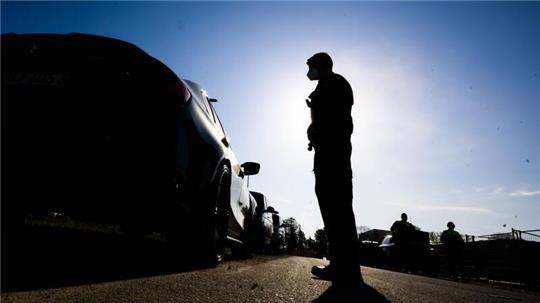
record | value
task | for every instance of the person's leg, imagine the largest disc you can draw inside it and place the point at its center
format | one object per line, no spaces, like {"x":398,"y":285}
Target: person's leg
{"x":451,"y":263}
{"x":334,"y":193}
{"x":344,"y":230}
{"x":333,"y":186}
{"x":459,"y":264}
{"x":324,"y":200}
{"x":323,"y":189}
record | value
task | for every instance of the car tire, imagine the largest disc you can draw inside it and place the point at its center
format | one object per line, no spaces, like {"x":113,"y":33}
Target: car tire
{"x":216,"y":220}
{"x":242,"y":251}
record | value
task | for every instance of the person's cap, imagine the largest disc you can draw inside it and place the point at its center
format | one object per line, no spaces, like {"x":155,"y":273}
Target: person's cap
{"x":450,"y":224}
{"x":321,"y":60}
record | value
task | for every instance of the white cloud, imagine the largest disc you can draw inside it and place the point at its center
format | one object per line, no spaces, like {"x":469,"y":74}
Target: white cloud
{"x":524,"y":193}
{"x":465,"y":209}
{"x":480,"y":191}
{"x":498,"y":190}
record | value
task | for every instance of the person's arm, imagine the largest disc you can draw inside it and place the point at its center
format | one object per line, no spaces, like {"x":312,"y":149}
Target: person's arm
{"x":313,"y":102}
{"x":443,"y":237}
{"x":459,"y":239}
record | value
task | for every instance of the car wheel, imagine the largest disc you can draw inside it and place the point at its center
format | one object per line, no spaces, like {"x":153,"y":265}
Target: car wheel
{"x":215,"y":227}
{"x":242,"y":251}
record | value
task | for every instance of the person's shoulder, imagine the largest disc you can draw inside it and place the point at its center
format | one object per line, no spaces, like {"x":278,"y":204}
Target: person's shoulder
{"x":340,"y":81}
{"x":339,"y":78}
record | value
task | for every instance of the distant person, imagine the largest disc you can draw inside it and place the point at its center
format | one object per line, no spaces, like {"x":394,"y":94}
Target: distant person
{"x":330,"y":135}
{"x":453,"y":246}
{"x":402,"y":232}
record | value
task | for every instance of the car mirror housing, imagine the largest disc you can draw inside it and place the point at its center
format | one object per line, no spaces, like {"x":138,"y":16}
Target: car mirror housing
{"x":270,"y":209}
{"x":251,"y":168}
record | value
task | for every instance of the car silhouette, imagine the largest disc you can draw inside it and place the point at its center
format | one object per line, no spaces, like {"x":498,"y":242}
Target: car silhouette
{"x":387,"y":246}
{"x":414,"y":254}
{"x":264,"y":229}
{"x":96,"y":130}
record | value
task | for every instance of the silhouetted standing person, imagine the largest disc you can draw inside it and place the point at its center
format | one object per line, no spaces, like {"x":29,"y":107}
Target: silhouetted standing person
{"x":330,"y":135}
{"x":402,"y":228}
{"x":402,"y":232}
{"x":453,"y":245}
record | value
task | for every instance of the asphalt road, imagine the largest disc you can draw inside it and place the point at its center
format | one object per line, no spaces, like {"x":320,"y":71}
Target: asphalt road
{"x":270,"y":279}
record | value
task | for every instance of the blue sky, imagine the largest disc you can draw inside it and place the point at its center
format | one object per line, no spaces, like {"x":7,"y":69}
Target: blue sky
{"x":447,"y":96}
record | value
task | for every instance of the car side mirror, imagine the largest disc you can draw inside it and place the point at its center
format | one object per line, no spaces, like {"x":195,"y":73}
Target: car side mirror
{"x":251,"y":168}
{"x":270,"y":209}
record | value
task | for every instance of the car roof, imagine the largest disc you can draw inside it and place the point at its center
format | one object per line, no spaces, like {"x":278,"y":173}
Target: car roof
{"x":84,"y":43}
{"x":194,"y":86}
{"x":84,"y":46}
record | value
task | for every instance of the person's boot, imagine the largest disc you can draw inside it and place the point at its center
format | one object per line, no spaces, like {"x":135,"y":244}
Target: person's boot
{"x":352,"y":280}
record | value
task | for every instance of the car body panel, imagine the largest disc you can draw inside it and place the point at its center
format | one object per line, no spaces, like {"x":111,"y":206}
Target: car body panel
{"x":97,"y":128}
{"x":387,"y":245}
{"x":208,"y":120}
{"x":263,"y":225}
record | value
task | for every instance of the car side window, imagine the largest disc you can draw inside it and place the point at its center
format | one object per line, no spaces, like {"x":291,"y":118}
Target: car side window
{"x":207,"y":106}
{"x":200,"y":100}
{"x":212,"y":111}
{"x":219,"y":126}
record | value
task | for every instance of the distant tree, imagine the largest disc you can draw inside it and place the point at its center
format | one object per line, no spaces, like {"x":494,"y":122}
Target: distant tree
{"x":310,"y":244}
{"x":321,"y":243}
{"x":301,"y":239}
{"x":362,"y":229}
{"x":291,"y":233}
{"x":435,"y":237}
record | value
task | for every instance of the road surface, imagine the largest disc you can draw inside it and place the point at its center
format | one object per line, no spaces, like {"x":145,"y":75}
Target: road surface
{"x":271,"y":279}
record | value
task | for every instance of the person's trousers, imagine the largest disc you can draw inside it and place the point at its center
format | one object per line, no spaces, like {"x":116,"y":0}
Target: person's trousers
{"x":333,"y":186}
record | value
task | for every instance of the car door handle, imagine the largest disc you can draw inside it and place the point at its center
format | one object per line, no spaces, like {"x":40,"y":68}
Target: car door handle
{"x":225,"y":141}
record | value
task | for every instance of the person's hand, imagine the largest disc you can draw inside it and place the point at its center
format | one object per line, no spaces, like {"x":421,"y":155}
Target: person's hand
{"x":311,"y":136}
{"x":311,"y":133}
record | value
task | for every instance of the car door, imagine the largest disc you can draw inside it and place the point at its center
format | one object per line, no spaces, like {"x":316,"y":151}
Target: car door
{"x":240,"y":204}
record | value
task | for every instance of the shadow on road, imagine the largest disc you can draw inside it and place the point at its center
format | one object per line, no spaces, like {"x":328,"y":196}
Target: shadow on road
{"x":360,"y":293}
{"x":44,"y":259}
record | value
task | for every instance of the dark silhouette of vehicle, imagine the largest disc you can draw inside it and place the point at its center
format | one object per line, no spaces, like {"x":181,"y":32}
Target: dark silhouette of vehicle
{"x":268,"y":236}
{"x":387,"y":246}
{"x":417,"y":252}
{"x":278,"y":244}
{"x":263,"y":228}
{"x":95,"y":129}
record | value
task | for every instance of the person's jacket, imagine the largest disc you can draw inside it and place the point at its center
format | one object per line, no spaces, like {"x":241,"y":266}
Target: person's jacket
{"x":331,"y":104}
{"x":402,"y":231}
{"x":452,"y":239}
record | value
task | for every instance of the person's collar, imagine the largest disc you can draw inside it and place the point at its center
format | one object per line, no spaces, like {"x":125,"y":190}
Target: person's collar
{"x":325,"y":76}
